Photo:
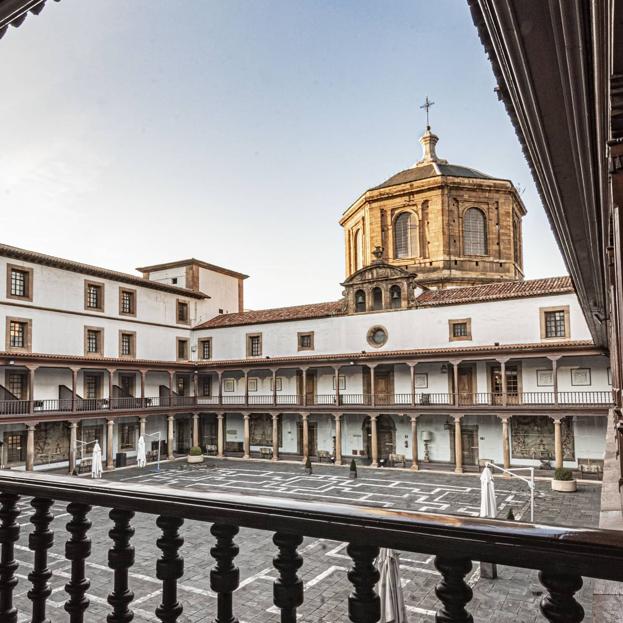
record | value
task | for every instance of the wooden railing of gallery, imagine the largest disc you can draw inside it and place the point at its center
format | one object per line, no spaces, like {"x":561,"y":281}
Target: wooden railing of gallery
{"x":561,"y":555}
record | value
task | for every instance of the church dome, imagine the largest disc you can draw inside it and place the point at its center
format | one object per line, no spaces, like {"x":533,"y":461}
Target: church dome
{"x":431,"y":166}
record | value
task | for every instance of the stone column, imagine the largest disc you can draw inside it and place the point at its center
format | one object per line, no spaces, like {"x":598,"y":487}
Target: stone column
{"x":143,"y":374}
{"x":195,"y":387}
{"x":220,"y":438}
{"x":141,"y":426}
{"x":30,"y":447}
{"x":414,"y":464}
{"x":74,"y":388}
{"x":558,"y":452}
{"x":372,"y":385}
{"x":337,"y":385}
{"x":412,"y":370}
{"x":274,"y":392}
{"x":246,"y":442}
{"x":170,"y":421}
{"x":506,"y":447}
{"x":195,"y":429}
{"x":275,"y":436}
{"x":109,"y":441}
{"x":305,"y":417}
{"x":374,"y":445}
{"x":458,"y":445}
{"x":73,"y":443}
{"x":338,"y":438}
{"x":304,"y":383}
{"x":110,"y":388}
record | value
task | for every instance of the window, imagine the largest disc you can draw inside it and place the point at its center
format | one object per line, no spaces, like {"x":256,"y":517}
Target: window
{"x":127,"y":382}
{"x":127,"y":344}
{"x":181,"y":385}
{"x":555,"y":323}
{"x":360,"y":301}
{"x":377,"y":336}
{"x":395,"y":297}
{"x":183,"y":316}
{"x":127,"y":436}
{"x":405,"y":236}
{"x":174,"y":280}
{"x":182,"y":348}
{"x":92,"y":384}
{"x":460,"y":329}
{"x":16,"y":384}
{"x":94,"y":296}
{"x":93,"y":341}
{"x":19,"y":282}
{"x":206,"y":387}
{"x":205,"y":348}
{"x":254,"y":344}
{"x":377,"y":299}
{"x":306,"y":341}
{"x":474,"y":232}
{"x":127,"y":302}
{"x":18,"y":334}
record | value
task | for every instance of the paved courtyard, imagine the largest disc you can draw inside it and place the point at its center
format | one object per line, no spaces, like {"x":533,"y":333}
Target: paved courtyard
{"x":512,"y":597}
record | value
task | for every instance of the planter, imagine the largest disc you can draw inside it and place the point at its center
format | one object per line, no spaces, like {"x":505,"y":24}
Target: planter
{"x":194,"y":459}
{"x":564,"y":486}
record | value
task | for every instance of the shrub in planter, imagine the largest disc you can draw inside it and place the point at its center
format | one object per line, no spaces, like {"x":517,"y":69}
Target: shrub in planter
{"x":195,"y":455}
{"x":308,"y":466}
{"x":353,"y":469}
{"x":563,"y":481}
{"x":511,"y":515}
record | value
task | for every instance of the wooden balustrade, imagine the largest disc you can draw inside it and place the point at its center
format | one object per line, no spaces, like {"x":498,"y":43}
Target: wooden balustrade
{"x":561,"y":555}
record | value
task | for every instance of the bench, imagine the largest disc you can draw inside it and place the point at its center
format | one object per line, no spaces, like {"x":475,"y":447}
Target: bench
{"x":594,"y":467}
{"x":266,"y":453}
{"x":397,"y":458}
{"x":211,"y":450}
{"x":84,"y":466}
{"x":324,"y":454}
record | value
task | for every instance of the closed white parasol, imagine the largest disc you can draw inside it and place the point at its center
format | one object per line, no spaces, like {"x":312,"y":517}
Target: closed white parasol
{"x":96,"y":461}
{"x":141,"y":457}
{"x":390,"y":588}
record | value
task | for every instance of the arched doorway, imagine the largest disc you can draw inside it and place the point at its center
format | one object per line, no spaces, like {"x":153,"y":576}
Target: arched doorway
{"x":386,"y":433}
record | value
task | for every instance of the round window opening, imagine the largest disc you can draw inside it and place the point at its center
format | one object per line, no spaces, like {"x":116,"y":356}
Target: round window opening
{"x":377,"y":336}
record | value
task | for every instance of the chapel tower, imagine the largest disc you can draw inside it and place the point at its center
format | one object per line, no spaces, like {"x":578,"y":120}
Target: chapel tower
{"x":438,"y":224}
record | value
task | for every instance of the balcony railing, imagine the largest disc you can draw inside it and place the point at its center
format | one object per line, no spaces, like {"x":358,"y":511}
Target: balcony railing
{"x":561,"y":555}
{"x":419,"y":399}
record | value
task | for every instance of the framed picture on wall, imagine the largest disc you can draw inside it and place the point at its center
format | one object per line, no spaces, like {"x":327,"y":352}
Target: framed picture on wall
{"x":279,"y":381}
{"x":252,"y":385}
{"x":421,"y":380}
{"x":544,"y":378}
{"x":229,"y":385}
{"x":342,"y":382}
{"x":581,"y":376}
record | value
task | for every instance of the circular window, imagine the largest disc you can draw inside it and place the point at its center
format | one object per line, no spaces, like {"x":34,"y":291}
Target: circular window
{"x":377,"y":336}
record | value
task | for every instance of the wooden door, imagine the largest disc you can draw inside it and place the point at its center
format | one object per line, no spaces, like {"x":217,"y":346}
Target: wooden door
{"x":469,"y":439}
{"x":312,"y":438}
{"x":466,"y":386}
{"x":310,"y":388}
{"x":126,"y":382}
{"x":182,"y":436}
{"x":383,"y":390}
{"x":15,"y":448}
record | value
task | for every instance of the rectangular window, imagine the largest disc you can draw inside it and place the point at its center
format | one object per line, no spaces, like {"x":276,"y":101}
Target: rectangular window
{"x":19,"y":282}
{"x":205,"y":348}
{"x":18,"y":334}
{"x":94,"y":296}
{"x":206,"y":387}
{"x":181,"y":385}
{"x":127,"y":302}
{"x":306,"y":341}
{"x":127,"y":436}
{"x":93,"y":341}
{"x":460,"y":329}
{"x":127,"y":344}
{"x":182,"y":348}
{"x":183,"y":316}
{"x":16,"y":384}
{"x":254,"y":344}
{"x":555,"y":322}
{"x":92,"y":386}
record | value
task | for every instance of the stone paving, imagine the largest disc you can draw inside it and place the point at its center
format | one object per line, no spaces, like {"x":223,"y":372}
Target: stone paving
{"x":513,"y":596}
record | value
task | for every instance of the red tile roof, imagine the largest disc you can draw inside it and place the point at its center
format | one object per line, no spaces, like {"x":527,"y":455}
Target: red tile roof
{"x":496,"y":291}
{"x":278,"y":314}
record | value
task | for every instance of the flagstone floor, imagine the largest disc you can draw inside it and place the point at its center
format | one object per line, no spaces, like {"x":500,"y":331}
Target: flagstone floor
{"x":513,"y":596}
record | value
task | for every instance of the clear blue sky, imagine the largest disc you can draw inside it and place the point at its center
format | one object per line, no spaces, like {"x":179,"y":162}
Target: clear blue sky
{"x":238,"y":132}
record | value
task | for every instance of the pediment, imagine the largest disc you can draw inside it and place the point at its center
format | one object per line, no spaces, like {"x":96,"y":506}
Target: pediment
{"x":379,"y":271}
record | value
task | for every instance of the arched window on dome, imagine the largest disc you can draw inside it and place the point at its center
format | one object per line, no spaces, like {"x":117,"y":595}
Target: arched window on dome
{"x":377,"y":299}
{"x":358,"y":250}
{"x":405,"y":236}
{"x":360,"y":301}
{"x":474,"y":232}
{"x":395,"y":297}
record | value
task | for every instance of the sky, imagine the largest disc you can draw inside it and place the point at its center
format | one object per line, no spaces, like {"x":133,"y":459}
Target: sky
{"x":238,"y":132}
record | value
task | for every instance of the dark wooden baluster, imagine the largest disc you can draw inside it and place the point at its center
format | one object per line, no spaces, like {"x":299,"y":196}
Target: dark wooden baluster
{"x":9,"y":533}
{"x":40,"y":540}
{"x":225,"y":577}
{"x":169,"y":568}
{"x":452,"y":591}
{"x":77,"y":549}
{"x":120,"y":559}
{"x":288,"y":588}
{"x":364,"y":605}
{"x":559,"y":605}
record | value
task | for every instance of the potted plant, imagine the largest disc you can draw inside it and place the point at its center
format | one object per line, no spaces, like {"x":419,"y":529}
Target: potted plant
{"x":195,"y":455}
{"x":308,"y":466}
{"x":353,"y":469}
{"x":563,"y":481}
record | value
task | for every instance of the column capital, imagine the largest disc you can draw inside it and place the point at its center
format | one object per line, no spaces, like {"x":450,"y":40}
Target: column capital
{"x":371,"y":365}
{"x":220,"y":416}
{"x":246,"y":416}
{"x":75,"y":370}
{"x":504,"y":418}
{"x":31,"y":367}
{"x":109,"y":370}
{"x":553,"y":358}
{"x":373,"y":416}
{"x":275,"y":416}
{"x":557,"y":418}
{"x":32,"y":425}
{"x":73,"y":424}
{"x":413,"y":416}
{"x":170,"y":418}
{"x":304,"y":415}
{"x":457,"y":418}
{"x":195,"y":416}
{"x":143,"y":373}
{"x":142,"y":418}
{"x":412,"y":364}
{"x":337,"y":416}
{"x":110,"y":421}
{"x":455,"y":362}
{"x":502,"y":359}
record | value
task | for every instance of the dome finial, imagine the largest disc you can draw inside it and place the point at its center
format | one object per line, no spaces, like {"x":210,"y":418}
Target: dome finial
{"x":427,"y":104}
{"x":429,"y":140}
